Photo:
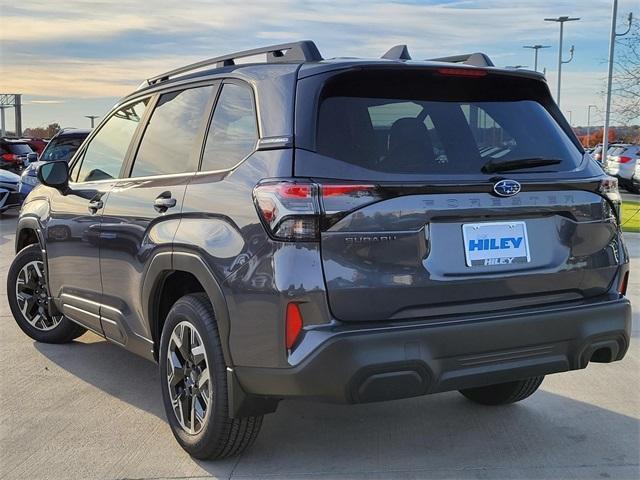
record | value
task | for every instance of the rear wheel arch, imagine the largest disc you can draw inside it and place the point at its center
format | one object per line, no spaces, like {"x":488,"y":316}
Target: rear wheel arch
{"x":172,"y":275}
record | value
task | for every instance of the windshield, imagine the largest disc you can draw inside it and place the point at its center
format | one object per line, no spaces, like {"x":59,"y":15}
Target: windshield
{"x":417,"y":132}
{"x":61,"y":148}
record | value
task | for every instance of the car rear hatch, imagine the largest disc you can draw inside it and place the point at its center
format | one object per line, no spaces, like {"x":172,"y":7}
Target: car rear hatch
{"x":19,"y":153}
{"x":450,"y":190}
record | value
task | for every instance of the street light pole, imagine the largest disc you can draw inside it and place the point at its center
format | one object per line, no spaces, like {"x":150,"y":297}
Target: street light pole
{"x":589,"y":124}
{"x":612,"y":44}
{"x":92,"y":118}
{"x":570,"y":112}
{"x":535,"y":49}
{"x":561,"y":21}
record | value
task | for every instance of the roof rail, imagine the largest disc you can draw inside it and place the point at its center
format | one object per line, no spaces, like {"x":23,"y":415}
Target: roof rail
{"x":303,"y":51}
{"x":475,"y":59}
{"x":397,"y":52}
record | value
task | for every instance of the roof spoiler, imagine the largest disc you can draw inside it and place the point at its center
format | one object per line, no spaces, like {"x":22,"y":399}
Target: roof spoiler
{"x":477,"y":59}
{"x":302,"y":51}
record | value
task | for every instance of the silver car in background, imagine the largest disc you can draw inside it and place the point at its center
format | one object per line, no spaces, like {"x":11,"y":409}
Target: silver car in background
{"x":622,"y":160}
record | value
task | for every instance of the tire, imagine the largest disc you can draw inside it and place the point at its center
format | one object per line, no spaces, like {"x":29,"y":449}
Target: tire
{"x":32,"y":315}
{"x":212,"y":434}
{"x":503,"y":393}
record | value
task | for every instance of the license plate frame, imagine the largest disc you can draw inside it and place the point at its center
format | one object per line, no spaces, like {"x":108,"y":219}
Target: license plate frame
{"x":496,"y":243}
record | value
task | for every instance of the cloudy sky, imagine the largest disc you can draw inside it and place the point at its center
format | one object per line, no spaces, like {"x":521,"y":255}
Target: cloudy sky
{"x":77,"y":58}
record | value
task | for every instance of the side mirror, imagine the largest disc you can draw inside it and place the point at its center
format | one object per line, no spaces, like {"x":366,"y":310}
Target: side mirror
{"x":55,"y":175}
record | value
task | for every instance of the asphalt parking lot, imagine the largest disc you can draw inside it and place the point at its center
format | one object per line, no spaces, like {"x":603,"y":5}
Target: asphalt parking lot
{"x":92,"y":410}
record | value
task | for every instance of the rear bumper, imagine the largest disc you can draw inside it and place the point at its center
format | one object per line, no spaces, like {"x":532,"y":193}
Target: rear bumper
{"x":354,"y":365}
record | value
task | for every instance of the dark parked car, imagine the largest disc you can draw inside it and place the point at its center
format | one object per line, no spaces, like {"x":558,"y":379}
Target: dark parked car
{"x":346,"y":230}
{"x":61,"y":147}
{"x":15,"y":154}
{"x":9,"y":196}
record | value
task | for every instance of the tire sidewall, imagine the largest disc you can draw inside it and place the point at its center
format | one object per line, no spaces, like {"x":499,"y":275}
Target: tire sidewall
{"x":186,"y":309}
{"x":57,"y":334}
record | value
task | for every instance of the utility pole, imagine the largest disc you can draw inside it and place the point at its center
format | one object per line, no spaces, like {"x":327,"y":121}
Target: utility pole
{"x":3,"y":130}
{"x":561,"y":21}
{"x":92,"y":118}
{"x":612,"y":44}
{"x":589,"y":124}
{"x":535,"y":49}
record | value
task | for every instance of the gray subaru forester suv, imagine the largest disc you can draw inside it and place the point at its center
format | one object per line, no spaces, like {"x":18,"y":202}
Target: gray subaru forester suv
{"x":349,"y":230}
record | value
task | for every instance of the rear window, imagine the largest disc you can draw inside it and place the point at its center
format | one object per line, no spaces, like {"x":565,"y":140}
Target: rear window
{"x":19,"y":148}
{"x":429,"y":124}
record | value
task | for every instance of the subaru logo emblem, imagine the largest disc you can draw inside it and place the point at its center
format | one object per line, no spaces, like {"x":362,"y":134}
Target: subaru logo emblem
{"x":506,"y":188}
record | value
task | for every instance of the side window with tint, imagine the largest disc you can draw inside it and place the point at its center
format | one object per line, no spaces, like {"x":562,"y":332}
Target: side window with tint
{"x":234,"y":130}
{"x":168,"y":140}
{"x":105,"y":153}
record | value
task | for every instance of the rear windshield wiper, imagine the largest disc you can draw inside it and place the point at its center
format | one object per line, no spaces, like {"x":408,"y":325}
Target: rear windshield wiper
{"x":491,"y":166}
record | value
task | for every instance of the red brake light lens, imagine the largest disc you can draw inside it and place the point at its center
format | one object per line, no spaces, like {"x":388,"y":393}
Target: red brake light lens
{"x":462,"y":72}
{"x":625,"y":159}
{"x":9,"y":157}
{"x":293,"y":324}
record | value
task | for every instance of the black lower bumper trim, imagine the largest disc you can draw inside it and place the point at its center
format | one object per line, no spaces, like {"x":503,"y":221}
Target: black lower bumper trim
{"x":363,"y":365}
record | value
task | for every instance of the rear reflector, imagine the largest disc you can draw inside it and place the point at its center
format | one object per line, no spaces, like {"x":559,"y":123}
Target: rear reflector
{"x":462,"y":72}
{"x":623,"y":284}
{"x":293,"y":324}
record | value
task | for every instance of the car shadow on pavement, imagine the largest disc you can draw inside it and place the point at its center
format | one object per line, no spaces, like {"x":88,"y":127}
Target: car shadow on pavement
{"x":439,"y":433}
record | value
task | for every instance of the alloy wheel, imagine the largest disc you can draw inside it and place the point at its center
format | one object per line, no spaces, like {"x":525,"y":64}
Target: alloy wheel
{"x":188,"y":377}
{"x":33,"y":297}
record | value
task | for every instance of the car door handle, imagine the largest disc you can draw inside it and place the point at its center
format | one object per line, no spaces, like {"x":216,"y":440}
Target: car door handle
{"x":162,"y":203}
{"x":95,"y":205}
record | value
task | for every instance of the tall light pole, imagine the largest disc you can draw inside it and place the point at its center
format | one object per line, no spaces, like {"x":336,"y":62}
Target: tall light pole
{"x":589,"y":124}
{"x":612,"y":44}
{"x":561,"y":21}
{"x":535,"y":49}
{"x":92,"y":118}
{"x":570,"y":112}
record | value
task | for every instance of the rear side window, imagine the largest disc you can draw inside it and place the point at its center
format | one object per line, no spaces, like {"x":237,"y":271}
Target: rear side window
{"x":436,"y":125}
{"x":234,"y":130}
{"x":62,"y":148}
{"x":103,"y":157}
{"x":168,"y":141}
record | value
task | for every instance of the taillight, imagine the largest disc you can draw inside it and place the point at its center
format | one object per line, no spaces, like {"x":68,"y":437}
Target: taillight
{"x":609,"y":188}
{"x":622,"y":288}
{"x":10,"y":157}
{"x":289,"y":210}
{"x":293,"y":324}
{"x":462,"y":72}
{"x":297,"y":210}
{"x":624,"y":159}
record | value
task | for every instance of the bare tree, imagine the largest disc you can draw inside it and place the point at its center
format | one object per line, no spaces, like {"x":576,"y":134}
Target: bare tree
{"x":626,"y":83}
